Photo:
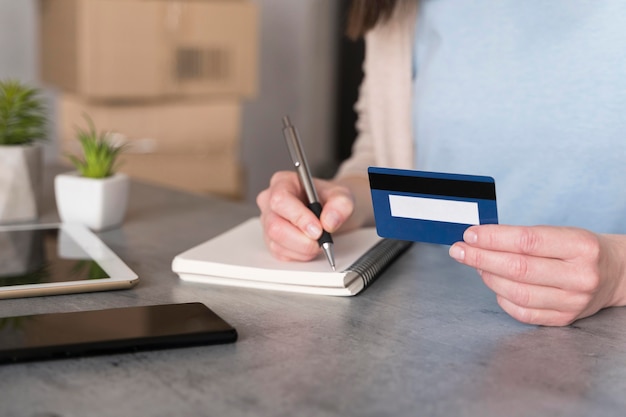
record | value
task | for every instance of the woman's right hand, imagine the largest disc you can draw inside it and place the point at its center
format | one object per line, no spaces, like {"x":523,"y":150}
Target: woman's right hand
{"x":290,"y":228}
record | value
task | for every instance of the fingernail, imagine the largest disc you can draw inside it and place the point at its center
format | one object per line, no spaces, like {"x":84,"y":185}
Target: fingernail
{"x":470,"y":236}
{"x":457,"y":252}
{"x":313,"y":231}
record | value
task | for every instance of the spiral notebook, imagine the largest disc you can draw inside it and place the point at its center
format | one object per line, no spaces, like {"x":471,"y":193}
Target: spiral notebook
{"x":239,"y":257}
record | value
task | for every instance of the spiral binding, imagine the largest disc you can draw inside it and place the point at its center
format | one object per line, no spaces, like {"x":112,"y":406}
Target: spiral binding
{"x":372,"y":263}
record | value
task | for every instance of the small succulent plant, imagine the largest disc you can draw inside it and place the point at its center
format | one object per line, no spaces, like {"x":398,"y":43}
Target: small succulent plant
{"x":99,"y":159}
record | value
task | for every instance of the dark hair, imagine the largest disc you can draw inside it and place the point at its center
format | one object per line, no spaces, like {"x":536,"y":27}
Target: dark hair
{"x":365,"y":14}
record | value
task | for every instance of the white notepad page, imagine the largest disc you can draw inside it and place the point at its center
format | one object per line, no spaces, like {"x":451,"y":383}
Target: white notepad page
{"x":240,"y":258}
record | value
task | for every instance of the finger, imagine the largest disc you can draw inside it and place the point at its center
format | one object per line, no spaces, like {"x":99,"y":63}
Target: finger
{"x":545,"y":241}
{"x":262,"y":200}
{"x":536,"y":316}
{"x":520,"y":268}
{"x":338,"y":207}
{"x":288,"y":180}
{"x":284,"y":200}
{"x":284,"y":180}
{"x":287,"y":241}
{"x":536,"y":296}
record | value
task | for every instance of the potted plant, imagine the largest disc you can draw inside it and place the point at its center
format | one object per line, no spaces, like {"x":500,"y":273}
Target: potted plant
{"x":95,"y":194}
{"x":22,"y":126}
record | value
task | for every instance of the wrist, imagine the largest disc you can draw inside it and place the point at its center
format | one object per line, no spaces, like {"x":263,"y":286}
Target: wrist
{"x":616,"y":270}
{"x":359,"y":188}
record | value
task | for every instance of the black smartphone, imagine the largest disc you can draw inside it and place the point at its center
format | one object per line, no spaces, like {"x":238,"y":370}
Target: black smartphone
{"x":59,"y":335}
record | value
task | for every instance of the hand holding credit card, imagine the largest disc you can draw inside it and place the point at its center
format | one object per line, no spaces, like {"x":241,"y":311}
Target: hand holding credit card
{"x":430,"y":207}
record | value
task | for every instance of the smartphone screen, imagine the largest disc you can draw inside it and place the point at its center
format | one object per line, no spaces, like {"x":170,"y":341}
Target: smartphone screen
{"x":56,"y":335}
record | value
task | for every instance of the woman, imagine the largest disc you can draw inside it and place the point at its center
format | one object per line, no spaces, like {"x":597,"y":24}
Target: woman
{"x":527,"y":92}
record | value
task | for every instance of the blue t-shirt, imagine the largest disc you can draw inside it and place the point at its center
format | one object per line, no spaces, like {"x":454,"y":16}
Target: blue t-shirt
{"x":532,"y":93}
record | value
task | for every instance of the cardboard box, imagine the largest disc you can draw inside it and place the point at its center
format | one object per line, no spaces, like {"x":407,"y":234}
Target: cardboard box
{"x":202,"y":174}
{"x":146,"y":49}
{"x":189,"y":126}
{"x":189,"y":144}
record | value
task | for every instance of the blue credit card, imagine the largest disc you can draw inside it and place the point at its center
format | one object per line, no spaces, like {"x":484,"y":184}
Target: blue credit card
{"x":431,"y":207}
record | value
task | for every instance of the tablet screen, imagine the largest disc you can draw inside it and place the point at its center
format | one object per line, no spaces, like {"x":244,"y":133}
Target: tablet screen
{"x":44,"y":256}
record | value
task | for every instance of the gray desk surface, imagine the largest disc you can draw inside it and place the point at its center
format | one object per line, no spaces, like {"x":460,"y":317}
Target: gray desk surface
{"x":426,"y":339}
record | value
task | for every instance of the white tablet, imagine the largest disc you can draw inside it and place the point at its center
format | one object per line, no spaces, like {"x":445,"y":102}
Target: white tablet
{"x":48,"y":259}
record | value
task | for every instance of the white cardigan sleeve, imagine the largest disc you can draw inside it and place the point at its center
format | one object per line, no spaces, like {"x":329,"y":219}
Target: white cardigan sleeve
{"x":384,"y":132}
{"x":363,"y":153}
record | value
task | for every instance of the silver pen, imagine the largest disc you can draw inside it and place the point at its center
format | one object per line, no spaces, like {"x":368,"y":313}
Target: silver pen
{"x":302,"y":168}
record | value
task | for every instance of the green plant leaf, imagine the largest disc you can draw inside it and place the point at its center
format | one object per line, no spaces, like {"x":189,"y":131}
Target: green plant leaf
{"x":23,"y":116}
{"x":99,"y":154}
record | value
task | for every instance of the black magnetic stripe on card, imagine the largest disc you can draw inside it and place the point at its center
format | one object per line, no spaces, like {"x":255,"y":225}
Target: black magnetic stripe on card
{"x":433,"y":186}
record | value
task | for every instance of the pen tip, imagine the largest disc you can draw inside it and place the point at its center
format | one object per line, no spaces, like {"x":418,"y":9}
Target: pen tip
{"x":328,"y":250}
{"x":286,"y":121}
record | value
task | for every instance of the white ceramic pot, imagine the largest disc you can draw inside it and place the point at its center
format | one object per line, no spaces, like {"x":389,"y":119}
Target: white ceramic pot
{"x":99,"y":204}
{"x":20,"y":183}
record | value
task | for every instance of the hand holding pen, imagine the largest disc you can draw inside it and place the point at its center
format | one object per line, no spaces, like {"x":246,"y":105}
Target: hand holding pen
{"x":298,"y":157}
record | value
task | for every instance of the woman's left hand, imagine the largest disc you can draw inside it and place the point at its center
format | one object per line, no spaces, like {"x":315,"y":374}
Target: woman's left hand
{"x":547,"y":275}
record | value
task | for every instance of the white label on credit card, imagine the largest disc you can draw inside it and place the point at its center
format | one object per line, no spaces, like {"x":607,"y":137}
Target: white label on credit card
{"x":436,"y":210}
